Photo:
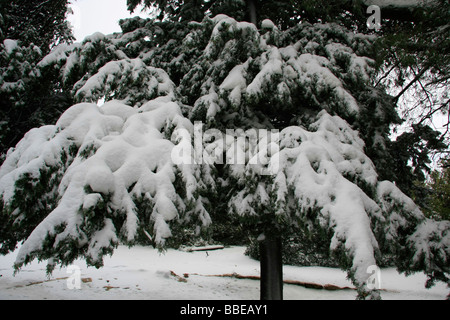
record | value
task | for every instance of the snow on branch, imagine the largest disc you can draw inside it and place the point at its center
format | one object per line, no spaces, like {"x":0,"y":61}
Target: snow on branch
{"x":129,"y":80}
{"x":121,"y":155}
{"x":104,"y":175}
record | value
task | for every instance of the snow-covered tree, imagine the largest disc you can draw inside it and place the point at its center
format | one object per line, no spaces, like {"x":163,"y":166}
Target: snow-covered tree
{"x":134,"y":168}
{"x":40,"y":22}
{"x":283,"y":13}
{"x":28,"y":31}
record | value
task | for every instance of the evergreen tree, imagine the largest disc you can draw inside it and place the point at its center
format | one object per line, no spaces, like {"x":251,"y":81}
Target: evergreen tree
{"x":284,"y":14}
{"x":28,"y":31}
{"x":42,"y":23}
{"x":437,"y":203}
{"x":138,"y":168}
{"x":411,"y":58}
{"x":412,"y":161}
{"x":413,"y":64}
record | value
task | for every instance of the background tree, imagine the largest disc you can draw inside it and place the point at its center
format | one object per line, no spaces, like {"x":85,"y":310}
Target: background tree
{"x":42,"y":23}
{"x":435,"y":202}
{"x":28,"y":31}
{"x":440,"y":184}
{"x":283,"y":13}
{"x":413,"y":59}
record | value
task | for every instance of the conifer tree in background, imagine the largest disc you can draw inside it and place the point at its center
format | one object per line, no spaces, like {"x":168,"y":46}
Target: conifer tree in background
{"x":440,"y":184}
{"x":415,"y":67}
{"x":42,"y":23}
{"x":28,"y":31}
{"x":435,"y":202}
{"x":111,"y":174}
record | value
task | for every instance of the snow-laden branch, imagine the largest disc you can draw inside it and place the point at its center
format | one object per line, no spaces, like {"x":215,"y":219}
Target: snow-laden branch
{"x":122,"y":158}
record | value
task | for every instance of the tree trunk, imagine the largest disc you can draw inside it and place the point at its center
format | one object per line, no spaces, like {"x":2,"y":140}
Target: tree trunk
{"x":271,"y":269}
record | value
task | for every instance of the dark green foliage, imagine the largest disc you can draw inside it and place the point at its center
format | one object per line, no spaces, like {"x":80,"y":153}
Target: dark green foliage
{"x":287,"y":74}
{"x":284,"y":14}
{"x":192,"y":10}
{"x":29,"y":99}
{"x":34,"y":199}
{"x":144,"y":207}
{"x":301,"y":250}
{"x":440,"y":197}
{"x":38,"y":22}
{"x":411,"y":159}
{"x":433,"y":195}
{"x":411,"y":49}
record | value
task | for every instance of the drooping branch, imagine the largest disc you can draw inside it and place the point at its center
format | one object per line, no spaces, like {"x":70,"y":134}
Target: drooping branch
{"x":399,"y":3}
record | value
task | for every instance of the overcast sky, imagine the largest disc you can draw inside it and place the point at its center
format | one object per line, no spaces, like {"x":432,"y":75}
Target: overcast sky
{"x":91,"y":16}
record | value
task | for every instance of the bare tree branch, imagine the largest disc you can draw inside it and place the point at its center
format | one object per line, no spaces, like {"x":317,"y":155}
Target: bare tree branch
{"x":416,"y":78}
{"x":386,"y":74}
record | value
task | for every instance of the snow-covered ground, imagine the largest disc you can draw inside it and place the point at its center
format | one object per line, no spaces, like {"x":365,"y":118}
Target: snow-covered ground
{"x":144,"y":273}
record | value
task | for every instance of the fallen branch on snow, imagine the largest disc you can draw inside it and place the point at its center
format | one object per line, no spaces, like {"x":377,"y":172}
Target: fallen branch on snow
{"x":205,"y":248}
{"x":310,"y":285}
